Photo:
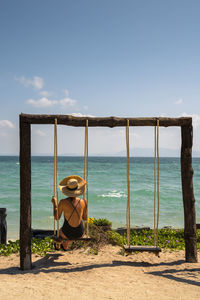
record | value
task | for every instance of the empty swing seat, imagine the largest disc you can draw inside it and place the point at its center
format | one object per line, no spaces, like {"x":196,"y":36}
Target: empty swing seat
{"x":142,"y":249}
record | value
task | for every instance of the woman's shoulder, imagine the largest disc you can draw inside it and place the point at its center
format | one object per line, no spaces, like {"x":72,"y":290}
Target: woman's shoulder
{"x":84,"y":201}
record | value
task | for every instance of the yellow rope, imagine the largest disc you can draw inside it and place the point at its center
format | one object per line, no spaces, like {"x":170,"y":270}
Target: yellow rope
{"x":128,"y":186}
{"x":156,"y":183}
{"x":158,"y":200}
{"x":86,"y":171}
{"x":54,"y":183}
{"x":56,"y":174}
{"x":155,"y":190}
{"x":85,"y":150}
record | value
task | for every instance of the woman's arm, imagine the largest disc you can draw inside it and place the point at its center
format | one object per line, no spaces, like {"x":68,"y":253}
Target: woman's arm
{"x":85,"y":210}
{"x":57,"y":207}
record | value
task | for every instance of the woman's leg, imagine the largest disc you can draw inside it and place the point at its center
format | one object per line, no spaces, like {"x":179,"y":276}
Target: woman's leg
{"x":66,"y":243}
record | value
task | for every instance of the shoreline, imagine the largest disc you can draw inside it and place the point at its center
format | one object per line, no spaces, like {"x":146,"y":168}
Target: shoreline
{"x":120,"y":230}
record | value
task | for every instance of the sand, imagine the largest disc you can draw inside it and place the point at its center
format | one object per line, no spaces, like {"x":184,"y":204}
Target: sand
{"x":109,"y":275}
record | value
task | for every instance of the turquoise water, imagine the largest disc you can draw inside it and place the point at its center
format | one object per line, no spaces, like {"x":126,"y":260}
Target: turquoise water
{"x":107,"y":190}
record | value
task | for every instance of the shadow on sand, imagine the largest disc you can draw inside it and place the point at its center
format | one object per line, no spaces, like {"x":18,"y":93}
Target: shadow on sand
{"x":49,"y":264}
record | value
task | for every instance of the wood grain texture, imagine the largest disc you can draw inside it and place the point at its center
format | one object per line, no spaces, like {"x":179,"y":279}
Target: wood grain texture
{"x":25,"y":196}
{"x":70,"y":120}
{"x":188,"y":194}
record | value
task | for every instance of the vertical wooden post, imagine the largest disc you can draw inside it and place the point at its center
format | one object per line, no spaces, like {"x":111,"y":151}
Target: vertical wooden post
{"x":3,"y":226}
{"x":25,"y":195}
{"x":188,"y":195}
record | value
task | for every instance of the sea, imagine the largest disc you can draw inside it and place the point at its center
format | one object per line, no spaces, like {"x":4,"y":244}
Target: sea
{"x":107,"y":184}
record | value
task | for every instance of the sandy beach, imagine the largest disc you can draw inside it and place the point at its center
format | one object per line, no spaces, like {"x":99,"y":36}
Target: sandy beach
{"x":109,"y":275}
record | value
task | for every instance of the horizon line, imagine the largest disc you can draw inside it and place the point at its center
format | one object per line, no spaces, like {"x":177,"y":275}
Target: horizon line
{"x":92,"y":155}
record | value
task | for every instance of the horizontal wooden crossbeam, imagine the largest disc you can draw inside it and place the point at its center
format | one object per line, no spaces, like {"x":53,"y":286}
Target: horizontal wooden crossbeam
{"x":70,"y":120}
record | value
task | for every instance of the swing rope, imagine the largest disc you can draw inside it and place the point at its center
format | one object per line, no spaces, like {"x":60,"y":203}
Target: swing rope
{"x":56,"y":175}
{"x":128,"y":186}
{"x":156,"y":184}
{"x":56,"y":178}
{"x":86,"y":171}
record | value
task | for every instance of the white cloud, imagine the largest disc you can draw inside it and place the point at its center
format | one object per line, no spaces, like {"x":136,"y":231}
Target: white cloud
{"x":6,"y":123}
{"x":179,"y":101}
{"x":67,"y":102}
{"x":81,"y":115}
{"x":37,"y":82}
{"x":43,"y":102}
{"x":195,"y":119}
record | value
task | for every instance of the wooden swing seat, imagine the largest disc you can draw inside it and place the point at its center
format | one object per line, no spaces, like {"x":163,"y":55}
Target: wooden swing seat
{"x":142,"y":249}
{"x":59,"y":240}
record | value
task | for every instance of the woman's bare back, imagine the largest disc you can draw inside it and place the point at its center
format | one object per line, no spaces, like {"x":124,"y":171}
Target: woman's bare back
{"x":75,"y":209}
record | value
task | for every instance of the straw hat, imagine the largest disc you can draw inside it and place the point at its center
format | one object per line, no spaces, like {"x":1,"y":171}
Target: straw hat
{"x":72,"y":186}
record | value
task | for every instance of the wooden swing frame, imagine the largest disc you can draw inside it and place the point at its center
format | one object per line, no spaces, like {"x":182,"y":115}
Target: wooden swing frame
{"x":26,"y":120}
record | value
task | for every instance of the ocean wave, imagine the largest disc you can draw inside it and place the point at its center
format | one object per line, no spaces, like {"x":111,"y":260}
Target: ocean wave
{"x":112,"y":194}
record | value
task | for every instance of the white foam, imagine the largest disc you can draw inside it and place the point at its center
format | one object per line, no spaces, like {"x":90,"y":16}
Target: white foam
{"x":113,"y":194}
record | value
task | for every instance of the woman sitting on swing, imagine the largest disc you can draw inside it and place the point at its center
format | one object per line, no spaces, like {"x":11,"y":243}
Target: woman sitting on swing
{"x":74,"y":208}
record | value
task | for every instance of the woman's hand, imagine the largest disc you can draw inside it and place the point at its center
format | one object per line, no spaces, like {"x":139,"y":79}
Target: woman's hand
{"x":54,"y":200}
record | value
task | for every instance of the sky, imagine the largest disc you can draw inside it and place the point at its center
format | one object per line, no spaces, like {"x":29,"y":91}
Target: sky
{"x":130,"y":58}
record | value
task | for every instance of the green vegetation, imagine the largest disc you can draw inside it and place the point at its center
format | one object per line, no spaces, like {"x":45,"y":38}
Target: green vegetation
{"x":11,"y":247}
{"x":101,"y":222}
{"x":38,"y":246}
{"x":42,"y":247}
{"x":167,"y":239}
{"x":115,"y":238}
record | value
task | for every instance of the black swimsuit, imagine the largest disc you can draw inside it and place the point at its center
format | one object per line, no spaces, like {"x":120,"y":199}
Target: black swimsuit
{"x":70,"y":231}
